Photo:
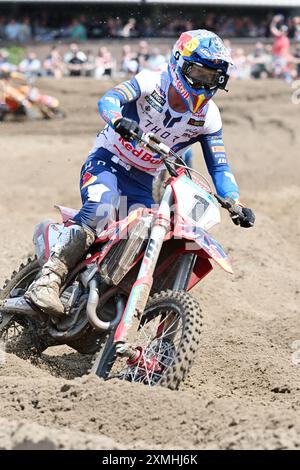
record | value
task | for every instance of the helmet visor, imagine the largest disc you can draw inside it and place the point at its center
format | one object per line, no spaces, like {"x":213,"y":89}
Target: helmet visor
{"x":200,"y":76}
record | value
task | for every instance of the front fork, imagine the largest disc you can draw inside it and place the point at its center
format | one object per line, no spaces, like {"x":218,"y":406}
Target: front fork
{"x":141,"y":288}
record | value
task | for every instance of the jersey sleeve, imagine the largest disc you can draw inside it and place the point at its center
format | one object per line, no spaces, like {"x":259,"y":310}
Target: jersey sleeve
{"x":213,"y":121}
{"x":216,"y":161}
{"x":110,"y":105}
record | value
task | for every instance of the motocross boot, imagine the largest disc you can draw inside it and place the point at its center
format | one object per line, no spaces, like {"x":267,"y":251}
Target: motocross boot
{"x":44,"y":293}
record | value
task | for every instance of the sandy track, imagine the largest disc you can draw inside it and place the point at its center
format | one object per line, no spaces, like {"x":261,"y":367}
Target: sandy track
{"x":243,"y":391}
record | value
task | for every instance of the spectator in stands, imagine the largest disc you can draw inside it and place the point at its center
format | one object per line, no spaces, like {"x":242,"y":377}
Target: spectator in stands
{"x":89,"y":65}
{"x":54,"y":65}
{"x":146,"y":30}
{"x":104,"y":63}
{"x":210,"y":22}
{"x":129,"y":30}
{"x":2,"y":28}
{"x":227,"y":28}
{"x":143,"y":54}
{"x":296,"y":28}
{"x":114,"y":27}
{"x":5,"y":65}
{"x":78,"y":31}
{"x":156,"y":59}
{"x":260,"y":61}
{"x":12,"y":30}
{"x":281,"y":48}
{"x":41,"y":31}
{"x":241,"y":69}
{"x":31,"y":65}
{"x":129,"y":64}
{"x":297,"y":61}
{"x":25,"y":32}
{"x":75,"y":60}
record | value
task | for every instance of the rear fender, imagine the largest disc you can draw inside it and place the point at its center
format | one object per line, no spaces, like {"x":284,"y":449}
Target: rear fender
{"x":66,"y":213}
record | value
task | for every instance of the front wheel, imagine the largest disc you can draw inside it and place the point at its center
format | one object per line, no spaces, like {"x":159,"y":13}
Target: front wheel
{"x":165,"y":342}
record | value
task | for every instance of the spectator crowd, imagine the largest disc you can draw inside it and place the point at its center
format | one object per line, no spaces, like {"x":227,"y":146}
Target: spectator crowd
{"x":264,"y":61}
{"x":27,"y":29}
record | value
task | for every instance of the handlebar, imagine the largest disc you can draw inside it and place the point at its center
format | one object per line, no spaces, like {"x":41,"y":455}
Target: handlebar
{"x":231,"y":206}
{"x":152,"y":142}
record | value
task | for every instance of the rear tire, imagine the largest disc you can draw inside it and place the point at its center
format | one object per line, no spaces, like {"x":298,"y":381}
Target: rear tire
{"x":20,"y":335}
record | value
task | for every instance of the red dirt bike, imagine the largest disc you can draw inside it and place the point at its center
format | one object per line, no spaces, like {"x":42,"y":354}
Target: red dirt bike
{"x":128,"y":302}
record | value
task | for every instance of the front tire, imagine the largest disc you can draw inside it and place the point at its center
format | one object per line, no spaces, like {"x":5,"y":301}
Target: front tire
{"x":166,"y":342}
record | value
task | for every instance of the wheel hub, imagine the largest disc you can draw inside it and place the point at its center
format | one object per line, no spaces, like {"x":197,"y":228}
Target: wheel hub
{"x":149,"y":364}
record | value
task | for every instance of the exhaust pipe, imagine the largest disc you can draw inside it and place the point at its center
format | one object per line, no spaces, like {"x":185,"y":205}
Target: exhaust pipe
{"x":93,"y":303}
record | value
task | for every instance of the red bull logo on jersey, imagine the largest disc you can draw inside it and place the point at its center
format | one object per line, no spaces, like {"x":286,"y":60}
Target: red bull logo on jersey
{"x":137,"y":153}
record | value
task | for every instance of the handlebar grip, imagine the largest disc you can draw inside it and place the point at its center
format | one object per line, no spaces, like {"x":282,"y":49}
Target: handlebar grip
{"x":155,"y":139}
{"x":236,"y":210}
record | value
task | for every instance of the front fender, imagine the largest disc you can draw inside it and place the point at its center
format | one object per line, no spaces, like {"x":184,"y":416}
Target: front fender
{"x":206,"y":243}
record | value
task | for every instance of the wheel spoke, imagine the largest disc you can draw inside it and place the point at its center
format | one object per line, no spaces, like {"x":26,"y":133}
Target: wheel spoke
{"x":157,"y":351}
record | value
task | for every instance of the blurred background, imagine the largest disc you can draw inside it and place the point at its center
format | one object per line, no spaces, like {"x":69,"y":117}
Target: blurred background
{"x":115,"y":38}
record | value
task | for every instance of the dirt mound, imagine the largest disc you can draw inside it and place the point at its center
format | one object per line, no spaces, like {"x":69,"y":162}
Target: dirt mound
{"x":16,"y":435}
{"x":243,"y":391}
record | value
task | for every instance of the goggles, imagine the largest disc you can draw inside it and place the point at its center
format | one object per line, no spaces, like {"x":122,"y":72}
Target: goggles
{"x":200,"y":76}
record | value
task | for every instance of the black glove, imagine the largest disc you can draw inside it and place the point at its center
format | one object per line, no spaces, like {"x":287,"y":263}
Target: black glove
{"x":242,"y":216}
{"x":125,"y":127}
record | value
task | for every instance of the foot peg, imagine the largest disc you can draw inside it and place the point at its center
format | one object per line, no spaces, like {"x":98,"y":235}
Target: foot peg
{"x":17,"y":306}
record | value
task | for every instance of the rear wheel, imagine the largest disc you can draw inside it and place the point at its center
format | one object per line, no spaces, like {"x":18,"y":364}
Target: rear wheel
{"x":164,"y":342}
{"x":20,"y":335}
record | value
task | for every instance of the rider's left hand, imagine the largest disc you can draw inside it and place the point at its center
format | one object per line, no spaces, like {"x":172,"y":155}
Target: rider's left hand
{"x":244,"y":217}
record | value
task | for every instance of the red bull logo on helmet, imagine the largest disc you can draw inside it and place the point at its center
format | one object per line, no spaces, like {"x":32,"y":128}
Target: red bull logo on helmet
{"x":178,"y":83}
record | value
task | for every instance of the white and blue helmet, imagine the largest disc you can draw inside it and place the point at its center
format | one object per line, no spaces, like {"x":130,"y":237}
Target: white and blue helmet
{"x":198,"y":67}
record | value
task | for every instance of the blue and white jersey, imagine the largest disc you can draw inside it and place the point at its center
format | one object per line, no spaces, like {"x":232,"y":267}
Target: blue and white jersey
{"x":145,"y":100}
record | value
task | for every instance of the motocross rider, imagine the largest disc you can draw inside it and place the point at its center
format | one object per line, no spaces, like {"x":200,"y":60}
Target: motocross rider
{"x":14,"y":90}
{"x":176,"y":105}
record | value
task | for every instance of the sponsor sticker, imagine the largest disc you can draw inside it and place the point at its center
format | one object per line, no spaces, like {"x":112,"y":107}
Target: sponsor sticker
{"x":195,"y":122}
{"x":218,"y":148}
{"x":153,"y":103}
{"x":160,"y":91}
{"x":140,"y":153}
{"x":158,"y":98}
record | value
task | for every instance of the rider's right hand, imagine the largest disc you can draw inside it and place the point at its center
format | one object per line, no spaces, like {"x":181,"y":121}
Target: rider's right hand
{"x":125,"y":127}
